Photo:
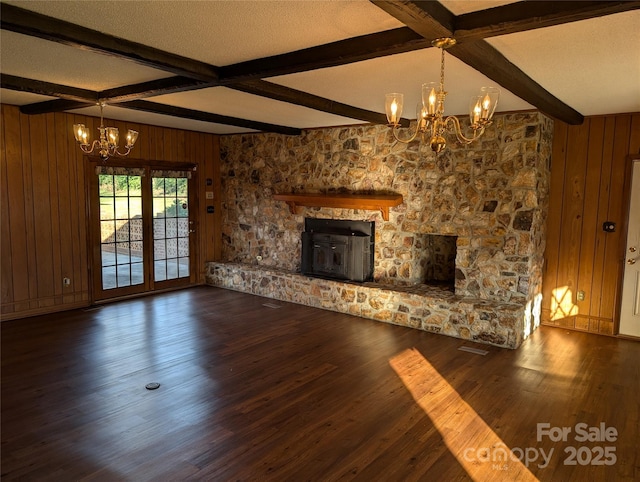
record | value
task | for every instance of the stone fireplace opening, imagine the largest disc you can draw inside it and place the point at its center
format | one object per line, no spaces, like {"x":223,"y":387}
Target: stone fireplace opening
{"x":439,"y":260}
{"x":338,"y":249}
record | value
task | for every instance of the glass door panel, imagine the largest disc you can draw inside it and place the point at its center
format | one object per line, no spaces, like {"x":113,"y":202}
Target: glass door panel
{"x":170,"y":228}
{"x":121,"y":235}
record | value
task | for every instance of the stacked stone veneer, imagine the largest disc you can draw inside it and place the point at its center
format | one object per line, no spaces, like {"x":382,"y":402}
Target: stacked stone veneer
{"x":492,"y":195}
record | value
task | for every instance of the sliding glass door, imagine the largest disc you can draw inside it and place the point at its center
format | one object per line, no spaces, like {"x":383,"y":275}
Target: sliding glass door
{"x":143,"y":230}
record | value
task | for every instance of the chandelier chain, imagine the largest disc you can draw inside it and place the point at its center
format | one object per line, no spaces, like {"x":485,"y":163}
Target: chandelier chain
{"x":441,"y":70}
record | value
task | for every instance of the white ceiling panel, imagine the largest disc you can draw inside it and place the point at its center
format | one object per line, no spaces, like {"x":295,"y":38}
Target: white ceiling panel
{"x":128,"y":115}
{"x":14,"y":97}
{"x":225,"y":101}
{"x":459,"y":7}
{"x":592,"y":65}
{"x":29,"y":57}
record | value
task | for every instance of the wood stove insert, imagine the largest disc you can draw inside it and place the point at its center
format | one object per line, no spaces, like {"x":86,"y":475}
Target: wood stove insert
{"x":338,"y":249}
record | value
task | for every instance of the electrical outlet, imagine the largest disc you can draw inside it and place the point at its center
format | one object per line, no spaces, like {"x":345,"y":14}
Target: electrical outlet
{"x":581,"y":295}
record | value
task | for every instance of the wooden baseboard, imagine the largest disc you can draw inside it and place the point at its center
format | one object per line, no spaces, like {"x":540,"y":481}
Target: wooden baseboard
{"x":584,"y":323}
{"x":43,"y":311}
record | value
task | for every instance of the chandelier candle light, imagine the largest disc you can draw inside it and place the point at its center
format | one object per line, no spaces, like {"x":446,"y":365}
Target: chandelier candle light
{"x":430,"y":121}
{"x":107,"y":145}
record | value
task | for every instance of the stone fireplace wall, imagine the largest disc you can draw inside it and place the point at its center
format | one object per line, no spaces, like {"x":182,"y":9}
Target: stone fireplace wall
{"x":492,"y":195}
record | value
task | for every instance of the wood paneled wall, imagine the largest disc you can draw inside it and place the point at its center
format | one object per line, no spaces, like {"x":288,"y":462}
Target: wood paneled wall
{"x":588,"y":168}
{"x":44,"y":206}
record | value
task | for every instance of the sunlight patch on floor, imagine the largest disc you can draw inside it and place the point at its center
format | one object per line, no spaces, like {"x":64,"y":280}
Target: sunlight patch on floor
{"x":478,"y":449}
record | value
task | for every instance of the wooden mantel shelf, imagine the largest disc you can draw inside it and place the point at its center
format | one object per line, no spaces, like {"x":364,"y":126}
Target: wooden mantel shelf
{"x":372,"y":202}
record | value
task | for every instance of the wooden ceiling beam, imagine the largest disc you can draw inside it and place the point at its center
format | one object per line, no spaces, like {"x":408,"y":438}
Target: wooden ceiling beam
{"x":432,"y":20}
{"x":13,"y":82}
{"x":343,"y":52}
{"x":26,"y":22}
{"x":528,"y":15}
{"x":297,"y":97}
{"x":58,"y":105}
{"x":168,"y":85}
{"x":156,"y":108}
{"x":110,"y":96}
{"x":485,"y":59}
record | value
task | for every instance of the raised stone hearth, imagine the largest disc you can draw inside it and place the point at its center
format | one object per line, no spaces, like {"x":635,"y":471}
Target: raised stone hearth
{"x":430,"y":308}
{"x":492,"y":196}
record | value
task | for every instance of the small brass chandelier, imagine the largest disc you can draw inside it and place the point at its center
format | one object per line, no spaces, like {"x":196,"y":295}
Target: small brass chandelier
{"x":431,"y":124}
{"x":107,"y":146}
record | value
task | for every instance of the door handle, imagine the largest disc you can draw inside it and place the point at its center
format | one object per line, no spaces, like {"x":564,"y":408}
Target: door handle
{"x":631,"y":261}
{"x":632,"y":249}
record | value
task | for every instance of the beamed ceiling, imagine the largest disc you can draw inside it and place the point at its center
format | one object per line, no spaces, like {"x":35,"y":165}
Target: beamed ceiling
{"x":283,"y":66}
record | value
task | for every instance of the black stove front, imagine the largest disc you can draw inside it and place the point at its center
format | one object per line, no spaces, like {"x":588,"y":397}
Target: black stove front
{"x":338,"y":249}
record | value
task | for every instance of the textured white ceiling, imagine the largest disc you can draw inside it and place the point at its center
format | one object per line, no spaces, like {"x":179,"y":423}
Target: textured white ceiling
{"x":32,"y":58}
{"x":592,"y":65}
{"x":223,"y":32}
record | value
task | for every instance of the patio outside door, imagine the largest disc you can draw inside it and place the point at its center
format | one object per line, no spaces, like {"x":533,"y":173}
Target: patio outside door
{"x":142,"y":231}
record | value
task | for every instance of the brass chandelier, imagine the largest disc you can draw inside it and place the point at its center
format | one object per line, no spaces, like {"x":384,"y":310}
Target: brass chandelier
{"x":431,"y":124}
{"x":107,"y":146}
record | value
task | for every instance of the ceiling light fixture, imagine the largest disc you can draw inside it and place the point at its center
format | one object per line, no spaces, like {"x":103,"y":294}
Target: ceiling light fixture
{"x":107,"y":145}
{"x":430,"y":121}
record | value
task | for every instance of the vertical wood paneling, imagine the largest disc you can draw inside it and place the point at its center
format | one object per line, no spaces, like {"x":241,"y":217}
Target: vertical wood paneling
{"x":31,"y":266}
{"x":54,"y":199}
{"x":583,"y":195}
{"x":158,"y":143}
{"x":6,"y":288}
{"x":554,"y":218}
{"x":45,"y":211}
{"x":590,"y":218}
{"x":196,"y":144}
{"x":634,"y":142}
{"x":613,"y":257}
{"x":180,"y":146}
{"x":42,"y":210}
{"x":141,"y":149}
{"x":572,"y":213}
{"x":81,"y":171}
{"x":65,"y":208}
{"x":214,"y":153}
{"x":80,"y":267}
{"x":603,"y":206}
{"x":15,"y":221}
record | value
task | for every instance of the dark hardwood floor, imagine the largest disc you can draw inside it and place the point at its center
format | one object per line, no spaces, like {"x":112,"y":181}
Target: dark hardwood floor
{"x":287,"y":392}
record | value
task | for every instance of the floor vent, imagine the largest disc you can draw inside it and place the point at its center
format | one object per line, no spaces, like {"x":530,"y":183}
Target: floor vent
{"x":271,"y":305}
{"x":476,"y":351}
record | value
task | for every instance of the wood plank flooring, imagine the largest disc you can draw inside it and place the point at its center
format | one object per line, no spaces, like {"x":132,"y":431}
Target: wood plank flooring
{"x":292,"y":393}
